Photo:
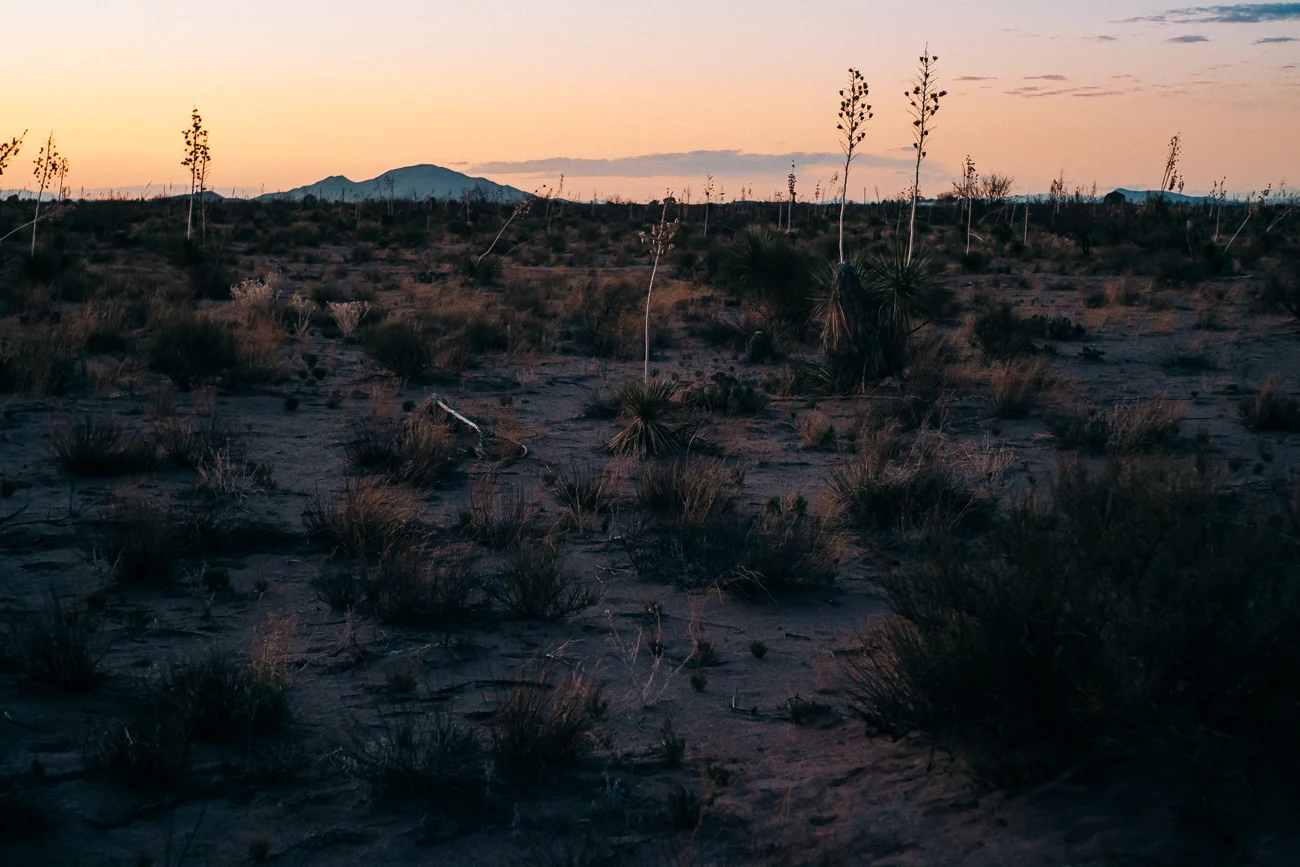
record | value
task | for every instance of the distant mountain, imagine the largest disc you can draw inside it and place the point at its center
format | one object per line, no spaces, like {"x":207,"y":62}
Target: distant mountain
{"x":1139,"y":197}
{"x":412,"y":182}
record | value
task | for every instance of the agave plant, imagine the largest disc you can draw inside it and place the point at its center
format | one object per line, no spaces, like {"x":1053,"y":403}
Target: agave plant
{"x":870,"y":309}
{"x":644,"y":405}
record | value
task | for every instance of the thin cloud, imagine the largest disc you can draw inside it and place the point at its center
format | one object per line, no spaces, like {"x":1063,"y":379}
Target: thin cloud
{"x":1052,"y":77}
{"x":1102,"y":38}
{"x":1238,"y":13}
{"x":1274,"y":40}
{"x":724,"y":162}
{"x":1187,"y":40}
{"x":975,"y":78}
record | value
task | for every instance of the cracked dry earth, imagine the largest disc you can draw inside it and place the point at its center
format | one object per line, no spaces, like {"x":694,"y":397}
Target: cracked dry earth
{"x":776,"y":791}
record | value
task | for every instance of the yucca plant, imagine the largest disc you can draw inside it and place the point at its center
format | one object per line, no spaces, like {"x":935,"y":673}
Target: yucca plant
{"x":644,"y":406}
{"x":870,"y":309}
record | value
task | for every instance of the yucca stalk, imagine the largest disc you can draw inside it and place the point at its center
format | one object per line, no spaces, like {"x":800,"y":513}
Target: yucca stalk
{"x":854,"y":113}
{"x":47,"y":165}
{"x":924,"y":99}
{"x":196,"y":160}
{"x":660,"y":241}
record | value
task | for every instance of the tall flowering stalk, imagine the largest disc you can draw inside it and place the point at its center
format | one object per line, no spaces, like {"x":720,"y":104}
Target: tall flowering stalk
{"x":660,"y":241}
{"x":48,"y":165}
{"x":197,"y":157}
{"x":854,"y":114}
{"x":924,"y":100}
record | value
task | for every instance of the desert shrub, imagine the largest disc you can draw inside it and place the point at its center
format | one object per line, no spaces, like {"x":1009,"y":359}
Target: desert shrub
{"x":1127,"y":428}
{"x":426,"y":448}
{"x":428,"y":755}
{"x":1281,"y":290}
{"x":405,"y":586}
{"x":56,"y":645}
{"x":815,"y":429}
{"x":400,"y":347}
{"x":645,"y":407}
{"x":1014,"y":387}
{"x":1267,"y":410}
{"x":485,"y":271}
{"x":365,"y":518}
{"x":998,"y":331}
{"x":151,"y":755}
{"x":259,"y":354}
{"x":1054,"y":328}
{"x":584,"y":492}
{"x":499,"y":518}
{"x":545,"y":722}
{"x":607,"y":325}
{"x":38,"y":359}
{"x":725,"y":393}
{"x":192,"y":350}
{"x":98,"y":447}
{"x":220,"y":696}
{"x":786,"y":547}
{"x":921,"y":487}
{"x":142,"y":538}
{"x":694,"y":492}
{"x":1131,"y":604}
{"x":532,"y":583}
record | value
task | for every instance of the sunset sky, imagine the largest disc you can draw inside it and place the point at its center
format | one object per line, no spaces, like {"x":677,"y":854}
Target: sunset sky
{"x":522,"y":90}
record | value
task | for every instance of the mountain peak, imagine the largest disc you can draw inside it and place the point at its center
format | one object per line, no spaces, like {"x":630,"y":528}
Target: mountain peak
{"x":409,"y":182}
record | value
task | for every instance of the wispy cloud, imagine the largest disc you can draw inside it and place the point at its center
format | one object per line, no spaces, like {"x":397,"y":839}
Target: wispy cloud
{"x":1052,"y":77}
{"x":1188,"y":40}
{"x":1274,"y":40}
{"x":723,"y":162}
{"x":1084,"y":92}
{"x":1237,"y":13}
{"x":975,"y":78}
{"x":1102,"y":38}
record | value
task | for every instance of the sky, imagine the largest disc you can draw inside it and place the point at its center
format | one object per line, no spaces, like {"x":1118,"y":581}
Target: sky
{"x":633,"y":98}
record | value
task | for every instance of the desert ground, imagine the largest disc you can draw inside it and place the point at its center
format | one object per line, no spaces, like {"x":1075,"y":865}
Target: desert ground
{"x":324,"y":540}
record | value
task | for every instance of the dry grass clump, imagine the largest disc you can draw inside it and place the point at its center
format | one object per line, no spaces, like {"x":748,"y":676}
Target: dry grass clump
{"x":192,"y":350}
{"x":998,"y":331}
{"x":400,"y":347}
{"x":405,"y":586}
{"x":57,"y":646}
{"x":419,"y":449}
{"x":1128,"y":605}
{"x":1127,"y":428}
{"x":645,"y":407}
{"x":532,"y":583}
{"x":38,"y":360}
{"x":98,"y":447}
{"x":922,"y":486}
{"x":693,"y":492}
{"x":142,"y":538}
{"x":220,"y":696}
{"x":499,"y":518}
{"x":365,"y":518}
{"x":428,"y":755}
{"x":545,"y":722}
{"x":816,"y":429}
{"x":1268,"y":410}
{"x":786,"y":547}
{"x":1015,"y":386}
{"x":259,"y":353}
{"x":584,"y":492}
